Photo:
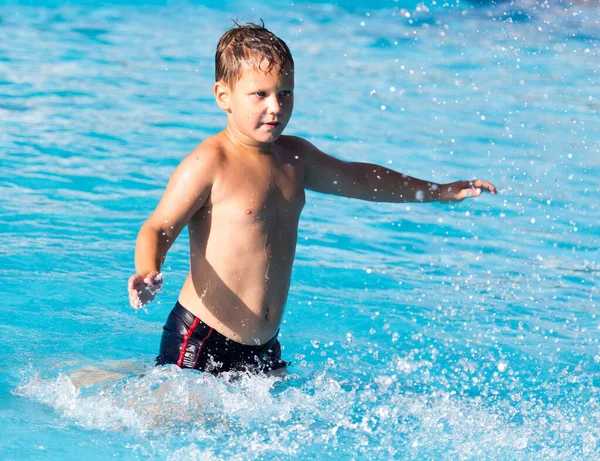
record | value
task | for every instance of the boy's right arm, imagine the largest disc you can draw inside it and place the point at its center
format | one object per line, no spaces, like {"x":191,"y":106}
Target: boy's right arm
{"x":188,"y":190}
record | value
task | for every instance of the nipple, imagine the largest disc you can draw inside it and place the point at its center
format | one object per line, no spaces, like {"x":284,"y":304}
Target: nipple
{"x":248,"y":211}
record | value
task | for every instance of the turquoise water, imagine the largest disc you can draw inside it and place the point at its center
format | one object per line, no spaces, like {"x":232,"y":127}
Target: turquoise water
{"x":463,"y":331}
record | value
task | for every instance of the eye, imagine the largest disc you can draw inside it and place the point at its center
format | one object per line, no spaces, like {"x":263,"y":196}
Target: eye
{"x":260,"y":94}
{"x":286,"y":93}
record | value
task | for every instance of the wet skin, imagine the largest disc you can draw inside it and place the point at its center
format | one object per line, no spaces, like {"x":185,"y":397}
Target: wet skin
{"x":241,"y":193}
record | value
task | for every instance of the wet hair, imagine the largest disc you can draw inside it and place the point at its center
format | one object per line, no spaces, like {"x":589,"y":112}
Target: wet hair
{"x":250,"y":44}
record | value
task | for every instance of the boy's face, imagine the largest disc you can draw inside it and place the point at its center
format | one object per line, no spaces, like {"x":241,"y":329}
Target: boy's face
{"x":260,"y":104}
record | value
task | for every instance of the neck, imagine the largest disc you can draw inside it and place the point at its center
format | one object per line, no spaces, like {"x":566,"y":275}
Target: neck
{"x":244,"y":142}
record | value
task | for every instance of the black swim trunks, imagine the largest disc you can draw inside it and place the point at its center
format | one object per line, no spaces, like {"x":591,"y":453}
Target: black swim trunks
{"x":189,"y":343}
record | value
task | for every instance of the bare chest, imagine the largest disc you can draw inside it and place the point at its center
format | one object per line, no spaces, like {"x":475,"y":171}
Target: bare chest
{"x":264,"y":196}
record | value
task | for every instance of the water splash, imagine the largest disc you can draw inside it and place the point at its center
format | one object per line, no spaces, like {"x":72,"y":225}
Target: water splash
{"x":242,"y":416}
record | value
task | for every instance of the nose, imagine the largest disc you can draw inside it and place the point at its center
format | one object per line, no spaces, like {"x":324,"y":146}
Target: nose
{"x":273,"y":104}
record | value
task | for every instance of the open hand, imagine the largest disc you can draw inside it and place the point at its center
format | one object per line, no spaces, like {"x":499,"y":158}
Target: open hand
{"x":144,"y":287}
{"x":460,"y":190}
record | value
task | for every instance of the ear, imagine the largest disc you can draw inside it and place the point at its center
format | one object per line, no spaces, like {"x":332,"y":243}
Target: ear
{"x":222,"y":94}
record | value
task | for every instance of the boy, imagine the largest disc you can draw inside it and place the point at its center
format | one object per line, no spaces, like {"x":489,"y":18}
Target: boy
{"x":240,"y":193}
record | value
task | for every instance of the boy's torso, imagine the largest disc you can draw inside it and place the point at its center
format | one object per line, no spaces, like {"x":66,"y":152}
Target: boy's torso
{"x":243,"y":241}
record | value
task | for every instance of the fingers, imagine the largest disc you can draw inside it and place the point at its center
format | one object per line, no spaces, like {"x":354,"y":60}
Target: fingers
{"x":152,"y":277}
{"x":143,"y":287}
{"x":147,"y":278}
{"x":134,"y":299}
{"x":132,"y":284}
{"x":475,"y":189}
{"x":468,"y":193}
{"x":488,"y":186}
{"x":134,"y":280}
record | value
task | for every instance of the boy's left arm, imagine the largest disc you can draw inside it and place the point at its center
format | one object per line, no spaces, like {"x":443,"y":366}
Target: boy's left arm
{"x":366,"y":181}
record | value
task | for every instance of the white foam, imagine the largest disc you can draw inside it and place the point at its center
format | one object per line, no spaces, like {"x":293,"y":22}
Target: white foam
{"x":252,"y":417}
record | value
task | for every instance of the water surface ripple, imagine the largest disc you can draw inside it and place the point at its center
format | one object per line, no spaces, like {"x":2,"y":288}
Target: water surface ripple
{"x":464,"y":331}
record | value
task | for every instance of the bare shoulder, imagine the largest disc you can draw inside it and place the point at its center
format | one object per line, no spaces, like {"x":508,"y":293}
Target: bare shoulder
{"x":190,"y":187}
{"x":206,"y":158}
{"x":201,"y":168}
{"x":301,"y":148}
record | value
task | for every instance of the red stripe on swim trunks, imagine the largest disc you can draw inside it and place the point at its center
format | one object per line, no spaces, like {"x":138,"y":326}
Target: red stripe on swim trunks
{"x":200,"y":347}
{"x":186,"y":338}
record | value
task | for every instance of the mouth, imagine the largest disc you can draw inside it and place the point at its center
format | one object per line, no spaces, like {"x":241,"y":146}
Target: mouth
{"x":272,"y":124}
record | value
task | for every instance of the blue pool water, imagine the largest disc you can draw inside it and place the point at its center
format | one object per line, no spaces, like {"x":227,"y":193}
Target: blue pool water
{"x":465,"y":331}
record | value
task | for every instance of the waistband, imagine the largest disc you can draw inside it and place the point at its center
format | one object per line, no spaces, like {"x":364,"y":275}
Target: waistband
{"x":202,"y":329}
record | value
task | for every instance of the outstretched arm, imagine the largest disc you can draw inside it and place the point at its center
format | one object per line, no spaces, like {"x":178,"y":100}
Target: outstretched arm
{"x":187,"y":191}
{"x":366,"y":181}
